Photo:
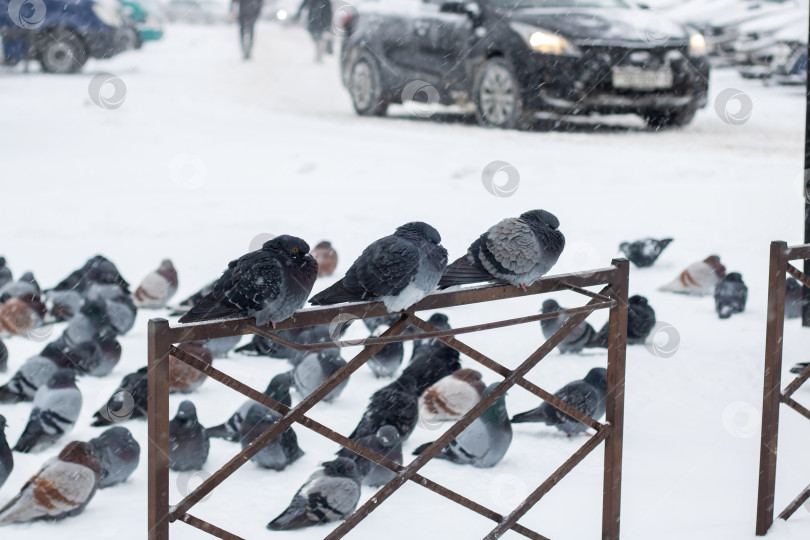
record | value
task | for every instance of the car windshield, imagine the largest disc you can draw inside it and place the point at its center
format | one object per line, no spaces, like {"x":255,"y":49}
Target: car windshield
{"x":528,"y":4}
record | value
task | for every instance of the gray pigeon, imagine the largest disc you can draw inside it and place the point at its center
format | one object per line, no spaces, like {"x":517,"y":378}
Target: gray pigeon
{"x":440,"y":321}
{"x":313,"y":371}
{"x":398,"y":270}
{"x":385,"y":363}
{"x":3,"y":357}
{"x":587,"y":396}
{"x":279,"y":452}
{"x":793,"y":298}
{"x":483,"y":443}
{"x":69,"y":295}
{"x":278,"y":389}
{"x":128,"y":401}
{"x":386,"y":442}
{"x":119,"y":454}
{"x":56,"y":408}
{"x":640,"y":322}
{"x":188,"y":442}
{"x":25,"y":287}
{"x":730,"y":295}
{"x":120,"y":310}
{"x":644,"y":253}
{"x":6,"y":458}
{"x":269,"y":284}
{"x":5,"y":273}
{"x":330,"y":494}
{"x":518,"y":251}
{"x":583,"y":336}
{"x":35,"y":372}
{"x":322,"y":333}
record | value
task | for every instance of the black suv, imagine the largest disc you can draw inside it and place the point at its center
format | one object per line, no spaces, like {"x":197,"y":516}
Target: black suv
{"x":512,"y":58}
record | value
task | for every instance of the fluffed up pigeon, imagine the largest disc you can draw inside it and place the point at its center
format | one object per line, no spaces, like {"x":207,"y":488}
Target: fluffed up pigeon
{"x":398,"y":270}
{"x":385,"y":442}
{"x":431,"y":363}
{"x":699,"y":279}
{"x":157,"y":288}
{"x":69,"y":295}
{"x":327,"y":258}
{"x":395,"y":405}
{"x":583,"y":336}
{"x":793,"y":298}
{"x":518,"y":251}
{"x":56,"y":408}
{"x":35,"y":373}
{"x":118,"y":453}
{"x":279,"y":452}
{"x":6,"y":457}
{"x":730,"y":295}
{"x":25,"y":287}
{"x":278,"y":389}
{"x":644,"y":253}
{"x":640,"y":322}
{"x":330,"y":494}
{"x":315,"y":369}
{"x":184,"y":378}
{"x":269,"y":284}
{"x":451,"y":397}
{"x":128,"y":401}
{"x":22,"y":316}
{"x":188,"y":442}
{"x":586,"y":396}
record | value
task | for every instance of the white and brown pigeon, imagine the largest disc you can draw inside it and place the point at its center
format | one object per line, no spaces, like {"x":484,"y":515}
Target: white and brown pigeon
{"x":157,"y":288}
{"x":699,"y":278}
{"x":327,"y":258}
{"x":451,"y":397}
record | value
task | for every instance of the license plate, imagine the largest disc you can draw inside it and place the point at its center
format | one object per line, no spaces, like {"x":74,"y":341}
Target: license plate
{"x":642,"y":79}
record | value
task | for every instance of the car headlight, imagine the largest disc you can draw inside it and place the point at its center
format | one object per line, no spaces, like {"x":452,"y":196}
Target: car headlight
{"x":697,"y":45}
{"x":543,"y":41}
{"x":106,"y":15}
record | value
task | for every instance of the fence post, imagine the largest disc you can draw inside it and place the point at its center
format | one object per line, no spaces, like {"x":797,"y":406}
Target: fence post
{"x":158,"y":429}
{"x":772,"y":392}
{"x":617,"y":338}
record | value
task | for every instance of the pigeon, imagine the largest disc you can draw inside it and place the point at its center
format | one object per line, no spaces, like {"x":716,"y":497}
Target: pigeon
{"x":431,"y":363}
{"x":278,"y":389}
{"x":385,"y":363}
{"x":90,"y":323}
{"x":118,"y":453}
{"x":327,"y":258}
{"x":398,"y":270}
{"x":188,"y":442}
{"x":587,"y":396}
{"x":21,"y":316}
{"x":128,"y":401}
{"x":3,"y":357}
{"x":278,"y":453}
{"x":68,"y":296}
{"x":56,"y":409}
{"x":452,"y":396}
{"x":484,"y":442}
{"x":798,"y":368}
{"x":35,"y":373}
{"x":395,"y":405}
{"x":640,"y":322}
{"x":62,"y":488}
{"x":313,"y":371}
{"x":5,"y":273}
{"x":330,"y":494}
{"x":583,"y":336}
{"x":120,"y":310}
{"x":518,"y":251}
{"x":644,"y":253}
{"x":440,"y":321}
{"x":182,"y":377}
{"x":6,"y":458}
{"x":793,"y":299}
{"x":262,"y":346}
{"x":269,"y":284}
{"x":699,"y":279}
{"x":220,"y":347}
{"x":385,"y":442}
{"x":730,"y":295}
{"x":25,"y":287}
{"x":157,"y":288}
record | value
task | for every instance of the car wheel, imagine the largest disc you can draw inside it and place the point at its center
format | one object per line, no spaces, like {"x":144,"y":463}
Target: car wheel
{"x":62,"y":51}
{"x":365,"y":88}
{"x":666,"y":119}
{"x":498,"y":102}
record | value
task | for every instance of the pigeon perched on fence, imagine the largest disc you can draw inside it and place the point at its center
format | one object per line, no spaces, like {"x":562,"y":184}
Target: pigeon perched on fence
{"x":118,"y":453}
{"x":587,"y":396}
{"x":278,"y":453}
{"x":35,"y":373}
{"x":3,"y":357}
{"x":640,"y":322}
{"x":330,"y":494}
{"x":452,"y":396}
{"x":431,"y":363}
{"x":5,"y":273}
{"x":188,"y":442}
{"x":128,"y":401}
{"x":699,"y":279}
{"x":56,"y":408}
{"x":182,"y":377}
{"x":583,"y":336}
{"x":157,"y":288}
{"x":730,"y":295}
{"x":798,"y":368}
{"x":395,"y":405}
{"x":313,"y":371}
{"x":278,"y":389}
{"x":644,"y":253}
{"x":327,"y":258}
{"x":387,"y":443}
{"x":62,"y":488}
{"x":793,"y":298}
{"x":386,"y":362}
{"x":484,"y":442}
{"x":6,"y":457}
{"x":518,"y":251}
{"x":398,"y":270}
{"x":269,"y":284}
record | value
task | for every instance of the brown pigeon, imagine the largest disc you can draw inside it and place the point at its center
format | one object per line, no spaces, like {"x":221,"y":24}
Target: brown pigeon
{"x":62,"y":488}
{"x":157,"y":288}
{"x":699,"y":279}
{"x":184,"y":378}
{"x":21,"y":315}
{"x":327,"y":258}
{"x":451,"y":397}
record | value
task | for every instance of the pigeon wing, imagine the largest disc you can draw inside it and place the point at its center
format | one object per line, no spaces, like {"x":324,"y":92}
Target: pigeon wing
{"x":510,"y":248}
{"x":384,"y":268}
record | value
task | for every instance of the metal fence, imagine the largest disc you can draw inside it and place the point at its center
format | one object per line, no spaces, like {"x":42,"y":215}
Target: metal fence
{"x":773,"y":395}
{"x":613,"y":296}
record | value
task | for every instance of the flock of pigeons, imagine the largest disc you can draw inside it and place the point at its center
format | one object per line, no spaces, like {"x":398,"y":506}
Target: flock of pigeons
{"x":270,"y":284}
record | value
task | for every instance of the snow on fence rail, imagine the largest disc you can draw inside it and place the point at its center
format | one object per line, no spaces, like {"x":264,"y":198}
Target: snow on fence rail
{"x":613,"y":296}
{"x":773,"y":395}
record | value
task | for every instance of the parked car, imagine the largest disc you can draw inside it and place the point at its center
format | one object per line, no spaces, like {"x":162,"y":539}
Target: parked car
{"x":511,"y":58}
{"x":142,"y":21}
{"x":60,"y":34}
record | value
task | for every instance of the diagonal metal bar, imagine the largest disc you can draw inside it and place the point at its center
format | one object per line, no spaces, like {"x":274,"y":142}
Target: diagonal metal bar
{"x":546,"y":486}
{"x":802,"y":498}
{"x":798,"y":407}
{"x":388,"y":489}
{"x":797,"y":382}
{"x":204,"y":526}
{"x":596,"y":296}
{"x":286,"y":421}
{"x":800,"y":276}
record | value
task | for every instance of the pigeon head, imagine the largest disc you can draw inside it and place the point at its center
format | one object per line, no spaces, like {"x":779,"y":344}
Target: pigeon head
{"x":438,"y":319}
{"x":330,"y":360}
{"x":638,"y":300}
{"x":279,"y":385}
{"x":82,"y":453}
{"x":471,"y":377}
{"x":290,"y":245}
{"x":388,"y":436}
{"x":2,"y":262}
{"x":62,"y":378}
{"x":550,"y":305}
{"x":54,"y":351}
{"x":324,"y":244}
{"x":734,"y":276}
{"x":102,"y":270}
{"x":118,"y":439}
{"x":28,"y":277}
{"x":166,"y":265}
{"x":597,"y":377}
{"x":540,"y":217}
{"x":341,"y":466}
{"x":420,"y":230}
{"x":186,"y":412}
{"x":714,"y":262}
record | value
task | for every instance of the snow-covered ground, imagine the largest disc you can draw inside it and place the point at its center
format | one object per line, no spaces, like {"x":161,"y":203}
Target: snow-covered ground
{"x":206,"y":152}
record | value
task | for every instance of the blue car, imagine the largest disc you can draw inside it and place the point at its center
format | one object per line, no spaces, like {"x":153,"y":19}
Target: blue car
{"x":60,"y":34}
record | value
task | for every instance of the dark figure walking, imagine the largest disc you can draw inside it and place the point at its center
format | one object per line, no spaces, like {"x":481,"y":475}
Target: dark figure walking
{"x":319,"y":24}
{"x":247,"y":12}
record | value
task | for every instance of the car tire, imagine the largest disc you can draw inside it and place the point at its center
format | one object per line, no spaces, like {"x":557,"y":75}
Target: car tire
{"x":669,"y":119}
{"x":61,"y":51}
{"x":365,"y":87}
{"x":498,"y":101}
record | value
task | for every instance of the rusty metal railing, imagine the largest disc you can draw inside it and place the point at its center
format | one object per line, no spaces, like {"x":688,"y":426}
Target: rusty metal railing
{"x":773,"y":395}
{"x":163,"y":339}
